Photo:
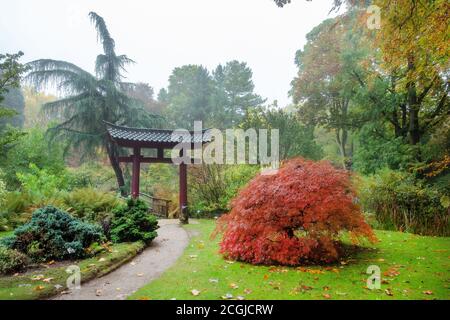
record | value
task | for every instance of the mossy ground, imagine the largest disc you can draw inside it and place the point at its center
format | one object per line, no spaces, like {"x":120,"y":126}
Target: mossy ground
{"x":47,"y":281}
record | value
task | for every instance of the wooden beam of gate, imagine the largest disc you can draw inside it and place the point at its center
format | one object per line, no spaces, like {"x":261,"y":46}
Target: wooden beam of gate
{"x":153,"y":160}
{"x":145,"y":160}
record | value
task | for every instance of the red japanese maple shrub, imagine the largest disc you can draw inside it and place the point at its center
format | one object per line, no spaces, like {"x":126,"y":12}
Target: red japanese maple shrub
{"x":292,"y":217}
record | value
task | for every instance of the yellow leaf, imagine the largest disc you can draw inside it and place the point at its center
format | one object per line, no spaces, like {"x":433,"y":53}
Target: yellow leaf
{"x":388,"y":292}
{"x":233,"y":286}
{"x":195,"y":292}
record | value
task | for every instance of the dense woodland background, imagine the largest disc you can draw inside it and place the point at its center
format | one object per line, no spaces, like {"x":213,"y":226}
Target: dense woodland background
{"x":375,"y":102}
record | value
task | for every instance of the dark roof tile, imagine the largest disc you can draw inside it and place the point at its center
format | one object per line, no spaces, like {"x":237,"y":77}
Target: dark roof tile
{"x":155,"y":135}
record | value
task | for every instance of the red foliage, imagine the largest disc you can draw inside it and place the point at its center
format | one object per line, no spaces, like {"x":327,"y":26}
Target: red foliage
{"x":293,"y":216}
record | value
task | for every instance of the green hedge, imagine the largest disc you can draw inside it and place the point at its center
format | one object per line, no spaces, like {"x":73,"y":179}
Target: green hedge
{"x":399,"y":201}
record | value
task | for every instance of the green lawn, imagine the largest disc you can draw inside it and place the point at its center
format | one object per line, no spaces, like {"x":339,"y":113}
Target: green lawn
{"x":412,"y":267}
{"x":49,"y":281}
{"x":6,"y":233}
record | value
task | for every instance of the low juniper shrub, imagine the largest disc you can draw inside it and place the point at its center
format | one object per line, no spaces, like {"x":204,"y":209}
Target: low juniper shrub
{"x":133,"y":222}
{"x":53,"y":234}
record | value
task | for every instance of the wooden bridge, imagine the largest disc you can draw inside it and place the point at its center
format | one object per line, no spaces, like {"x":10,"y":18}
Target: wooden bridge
{"x":159,"y":207}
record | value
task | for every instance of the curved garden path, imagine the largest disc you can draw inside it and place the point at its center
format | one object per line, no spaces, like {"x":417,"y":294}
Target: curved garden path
{"x":150,"y":264}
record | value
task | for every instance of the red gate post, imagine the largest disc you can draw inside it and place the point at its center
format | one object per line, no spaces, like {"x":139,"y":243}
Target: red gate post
{"x":184,"y":216}
{"x":136,"y":173}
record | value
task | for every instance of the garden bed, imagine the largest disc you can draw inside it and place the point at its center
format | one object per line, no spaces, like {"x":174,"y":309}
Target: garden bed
{"x":412,"y":267}
{"x":51,"y":279}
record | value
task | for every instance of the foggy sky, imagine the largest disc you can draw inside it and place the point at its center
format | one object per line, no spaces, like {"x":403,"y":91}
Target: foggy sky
{"x":163,"y":34}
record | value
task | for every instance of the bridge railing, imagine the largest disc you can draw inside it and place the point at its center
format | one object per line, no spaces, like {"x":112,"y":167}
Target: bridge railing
{"x":157,"y":206}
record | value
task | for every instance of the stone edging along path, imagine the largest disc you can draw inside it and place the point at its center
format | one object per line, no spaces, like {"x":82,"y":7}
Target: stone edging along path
{"x":150,"y":264}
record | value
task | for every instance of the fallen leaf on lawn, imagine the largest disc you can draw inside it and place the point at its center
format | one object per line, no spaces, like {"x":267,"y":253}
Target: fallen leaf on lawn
{"x":240,"y":298}
{"x":275,"y":285}
{"x":335,"y":270}
{"x":380,"y":260}
{"x":304,"y":288}
{"x":195,"y":292}
{"x":101,"y":260}
{"x":428,"y":292}
{"x":38,"y":277}
{"x":326,"y":288}
{"x":214,"y":280}
{"x":39,"y":288}
{"x":98,"y":292}
{"x":341,"y":293}
{"x":51,"y":262}
{"x":144,"y":298}
{"x":266,"y":276}
{"x":201,"y":245}
{"x":193,"y":256}
{"x":391,"y":272}
{"x":311,"y":271}
{"x":48,"y":280}
{"x":230,"y":262}
{"x":15,"y":274}
{"x":227,"y":296}
{"x":327,"y":296}
{"x":315,"y":271}
{"x":233,"y":286}
{"x":248,"y":291}
{"x":388,"y":292}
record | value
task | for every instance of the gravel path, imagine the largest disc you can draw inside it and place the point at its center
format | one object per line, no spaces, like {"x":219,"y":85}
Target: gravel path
{"x":150,"y":264}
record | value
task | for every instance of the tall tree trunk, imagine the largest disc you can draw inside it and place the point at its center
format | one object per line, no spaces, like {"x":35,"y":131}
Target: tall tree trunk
{"x":113,"y":155}
{"x":404,"y":120}
{"x":342,"y":141}
{"x":414,"y":129}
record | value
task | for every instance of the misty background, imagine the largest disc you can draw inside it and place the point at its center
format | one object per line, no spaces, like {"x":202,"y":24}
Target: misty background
{"x":162,"y":35}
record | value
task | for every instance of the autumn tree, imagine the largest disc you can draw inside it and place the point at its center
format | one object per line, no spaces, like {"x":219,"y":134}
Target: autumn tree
{"x":145,"y":94}
{"x":414,"y":41}
{"x":325,"y":86}
{"x":294,"y":216}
